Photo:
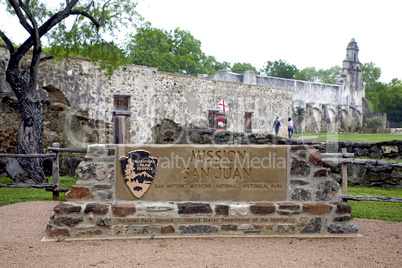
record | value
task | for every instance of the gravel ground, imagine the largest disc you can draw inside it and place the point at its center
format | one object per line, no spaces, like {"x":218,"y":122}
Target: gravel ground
{"x":23,"y":225}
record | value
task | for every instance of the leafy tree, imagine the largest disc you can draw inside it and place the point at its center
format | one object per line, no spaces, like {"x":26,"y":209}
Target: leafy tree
{"x":212,"y":65}
{"x":391,"y":100}
{"x":375,"y":123}
{"x":174,"y":51}
{"x":307,"y":74}
{"x":240,"y":68}
{"x":328,"y":76}
{"x":92,"y":20}
{"x":370,"y":75}
{"x":279,"y":69}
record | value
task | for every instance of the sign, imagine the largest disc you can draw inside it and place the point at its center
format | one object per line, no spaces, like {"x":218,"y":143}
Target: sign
{"x":202,"y":172}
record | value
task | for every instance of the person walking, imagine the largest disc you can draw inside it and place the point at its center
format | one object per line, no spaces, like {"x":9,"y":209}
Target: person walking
{"x":290,"y":127}
{"x":276,"y":126}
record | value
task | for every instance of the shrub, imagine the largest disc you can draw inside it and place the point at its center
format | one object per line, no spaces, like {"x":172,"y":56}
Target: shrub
{"x":375,"y":123}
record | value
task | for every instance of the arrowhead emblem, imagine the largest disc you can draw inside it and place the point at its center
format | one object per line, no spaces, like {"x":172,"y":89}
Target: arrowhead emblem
{"x":138,"y":170}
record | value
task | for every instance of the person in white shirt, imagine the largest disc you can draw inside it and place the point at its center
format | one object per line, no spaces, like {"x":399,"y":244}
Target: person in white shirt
{"x":290,"y":127}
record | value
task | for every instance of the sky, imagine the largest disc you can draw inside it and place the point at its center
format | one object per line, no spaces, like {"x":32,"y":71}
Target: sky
{"x":301,"y":32}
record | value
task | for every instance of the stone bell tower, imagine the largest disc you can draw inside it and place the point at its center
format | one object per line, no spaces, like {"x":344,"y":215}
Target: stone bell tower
{"x":351,"y":76}
{"x":352,"y":87}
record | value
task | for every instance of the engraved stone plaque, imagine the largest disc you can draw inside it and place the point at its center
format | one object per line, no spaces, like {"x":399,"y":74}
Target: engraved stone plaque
{"x":201,"y":172}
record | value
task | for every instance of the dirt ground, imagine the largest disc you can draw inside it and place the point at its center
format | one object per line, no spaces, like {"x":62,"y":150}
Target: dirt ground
{"x":23,"y":225}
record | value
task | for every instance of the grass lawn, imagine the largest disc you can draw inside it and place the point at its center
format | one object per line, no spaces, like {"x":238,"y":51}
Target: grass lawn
{"x":17,"y":195}
{"x":365,"y":137}
{"x":386,"y":211}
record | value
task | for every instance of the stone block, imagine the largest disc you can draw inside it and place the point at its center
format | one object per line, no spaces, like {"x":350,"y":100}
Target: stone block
{"x":317,"y":208}
{"x":222,"y":210}
{"x":52,"y":231}
{"x":194,"y":208}
{"x":122,"y":210}
{"x":67,"y":220}
{"x":89,"y":233}
{"x":312,"y":226}
{"x":299,"y":168}
{"x":285,"y":228}
{"x":167,"y":229}
{"x":103,"y":221}
{"x":97,"y":149}
{"x":299,"y":182}
{"x":315,"y":158}
{"x":96,"y":208}
{"x":262,"y":208}
{"x":238,"y":210}
{"x":301,"y":194}
{"x":119,"y":230}
{"x":66,"y":208}
{"x":289,"y":206}
{"x":229,"y":227}
{"x":326,"y":190}
{"x":198,"y":229}
{"x":343,"y":229}
{"x":342,"y":218}
{"x":77,"y":192}
{"x":268,"y":228}
{"x":324,"y":172}
{"x":342,"y":208}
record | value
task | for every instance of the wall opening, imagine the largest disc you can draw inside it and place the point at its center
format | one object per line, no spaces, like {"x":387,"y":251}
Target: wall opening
{"x":247,"y":121}
{"x":121,"y":119}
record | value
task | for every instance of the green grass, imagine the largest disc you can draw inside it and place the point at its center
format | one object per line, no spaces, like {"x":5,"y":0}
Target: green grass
{"x":16,"y":195}
{"x":386,"y":211}
{"x":369,"y":137}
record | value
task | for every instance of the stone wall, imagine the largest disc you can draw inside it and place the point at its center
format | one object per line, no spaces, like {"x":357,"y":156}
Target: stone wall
{"x":170,"y":132}
{"x":313,"y":207}
{"x":82,"y":89}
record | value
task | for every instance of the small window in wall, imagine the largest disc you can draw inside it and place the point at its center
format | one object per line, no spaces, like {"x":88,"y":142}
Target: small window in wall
{"x":217,"y":119}
{"x":121,"y":119}
{"x":247,"y":121}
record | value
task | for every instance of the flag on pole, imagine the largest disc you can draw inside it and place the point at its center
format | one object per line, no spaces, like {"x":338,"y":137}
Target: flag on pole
{"x":222,"y":105}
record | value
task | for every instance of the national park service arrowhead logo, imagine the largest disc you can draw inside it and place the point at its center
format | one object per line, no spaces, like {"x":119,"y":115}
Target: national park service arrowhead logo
{"x":138,"y":170}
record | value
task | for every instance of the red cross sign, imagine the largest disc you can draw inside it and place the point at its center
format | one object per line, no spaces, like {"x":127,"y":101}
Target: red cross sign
{"x":222,"y":105}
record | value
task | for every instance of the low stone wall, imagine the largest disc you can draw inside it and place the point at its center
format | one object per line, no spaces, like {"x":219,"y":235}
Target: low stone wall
{"x":168,"y":132}
{"x":312,"y":207}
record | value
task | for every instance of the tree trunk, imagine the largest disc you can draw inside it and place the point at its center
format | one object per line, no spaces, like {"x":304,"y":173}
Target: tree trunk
{"x":30,"y":130}
{"x":30,"y":133}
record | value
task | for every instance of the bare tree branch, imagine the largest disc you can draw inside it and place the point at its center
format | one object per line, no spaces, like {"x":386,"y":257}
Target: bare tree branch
{"x":87,"y":15}
{"x":8,"y":42}
{"x":21,"y":17}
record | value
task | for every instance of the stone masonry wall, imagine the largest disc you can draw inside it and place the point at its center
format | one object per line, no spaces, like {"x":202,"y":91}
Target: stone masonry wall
{"x":313,"y":207}
{"x":153,"y":95}
{"x":169,"y":132}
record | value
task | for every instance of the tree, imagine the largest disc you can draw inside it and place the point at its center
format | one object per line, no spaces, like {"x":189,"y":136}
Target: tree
{"x":328,"y":76}
{"x":370,"y":75}
{"x":375,"y":123}
{"x":279,"y":69}
{"x":92,"y":19}
{"x":240,"y":68}
{"x":174,"y":51}
{"x":391,"y":100}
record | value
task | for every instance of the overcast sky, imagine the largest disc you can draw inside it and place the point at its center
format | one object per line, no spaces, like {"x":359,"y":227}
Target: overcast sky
{"x":301,"y":32}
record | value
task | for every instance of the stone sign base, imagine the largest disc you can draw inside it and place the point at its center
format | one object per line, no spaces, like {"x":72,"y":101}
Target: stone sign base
{"x":74,"y":221}
{"x":311,"y":206}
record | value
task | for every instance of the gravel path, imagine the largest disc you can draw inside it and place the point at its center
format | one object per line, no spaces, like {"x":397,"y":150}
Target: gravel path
{"x":23,"y":225}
